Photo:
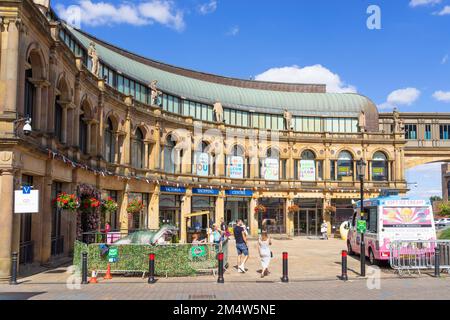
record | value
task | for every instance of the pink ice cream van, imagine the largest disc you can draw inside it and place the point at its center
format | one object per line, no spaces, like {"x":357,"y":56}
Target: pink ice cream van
{"x":391,"y":218}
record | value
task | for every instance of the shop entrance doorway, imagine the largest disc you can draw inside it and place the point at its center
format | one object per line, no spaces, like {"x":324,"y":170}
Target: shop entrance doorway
{"x":307,"y":222}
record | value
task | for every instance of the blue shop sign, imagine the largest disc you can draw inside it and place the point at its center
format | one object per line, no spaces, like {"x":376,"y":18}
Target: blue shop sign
{"x":239,"y":193}
{"x":207,"y":192}
{"x":173,"y":190}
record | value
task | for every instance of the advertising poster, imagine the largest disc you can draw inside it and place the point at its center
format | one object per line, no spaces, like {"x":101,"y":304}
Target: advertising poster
{"x":202,"y":164}
{"x":271,"y":169}
{"x":407,"y":217}
{"x":237,"y":168}
{"x":307,"y":170}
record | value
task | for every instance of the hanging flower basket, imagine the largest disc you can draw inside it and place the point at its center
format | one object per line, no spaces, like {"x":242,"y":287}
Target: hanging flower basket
{"x":90,"y":203}
{"x":260,"y":209}
{"x":69,"y":202}
{"x":109,"y":205}
{"x":135,"y":206}
{"x":293,"y":209}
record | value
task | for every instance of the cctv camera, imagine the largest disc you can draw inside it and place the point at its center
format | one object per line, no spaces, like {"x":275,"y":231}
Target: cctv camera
{"x":27,"y":129}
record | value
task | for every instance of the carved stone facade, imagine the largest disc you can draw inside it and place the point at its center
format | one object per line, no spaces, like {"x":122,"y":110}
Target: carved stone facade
{"x":85,"y":131}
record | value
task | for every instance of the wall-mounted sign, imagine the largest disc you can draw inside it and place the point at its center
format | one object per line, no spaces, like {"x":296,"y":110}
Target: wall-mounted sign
{"x":173,"y":189}
{"x":206,"y":192}
{"x":239,"y":193}
{"x":202,"y":164}
{"x":26,"y":200}
{"x":236,"y":168}
{"x":307,"y":170}
{"x":271,"y":169}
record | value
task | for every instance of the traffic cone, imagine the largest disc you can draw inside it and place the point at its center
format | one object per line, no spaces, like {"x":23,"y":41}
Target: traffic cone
{"x":93,"y":279}
{"x":108,"y":275}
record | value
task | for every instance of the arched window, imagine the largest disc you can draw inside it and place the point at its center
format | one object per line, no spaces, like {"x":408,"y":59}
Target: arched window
{"x":237,"y":164}
{"x":380,"y":167}
{"x":83,"y":136}
{"x":204,"y":161}
{"x":137,"y":156}
{"x":307,"y":168}
{"x":345,"y":166}
{"x":172,"y":156}
{"x":270,"y":167}
{"x":30,"y":91}
{"x":58,"y":119}
{"x":110,"y":151}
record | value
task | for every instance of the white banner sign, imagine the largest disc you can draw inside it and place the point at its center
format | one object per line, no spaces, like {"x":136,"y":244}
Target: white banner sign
{"x":202,"y":164}
{"x":26,"y":202}
{"x":236,"y":168}
{"x":307,"y":170}
{"x":271,"y":169}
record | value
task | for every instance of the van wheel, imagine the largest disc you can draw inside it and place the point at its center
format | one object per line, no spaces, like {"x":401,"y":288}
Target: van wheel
{"x":349,"y":249}
{"x":372,"y":260}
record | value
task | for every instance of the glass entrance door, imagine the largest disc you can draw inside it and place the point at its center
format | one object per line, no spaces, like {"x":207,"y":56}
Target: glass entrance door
{"x":306,"y":223}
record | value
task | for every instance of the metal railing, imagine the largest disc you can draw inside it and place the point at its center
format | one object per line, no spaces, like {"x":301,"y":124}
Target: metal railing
{"x":57,"y":245}
{"x":26,"y":252}
{"x":172,"y":260}
{"x":417,"y":256}
{"x":107,"y":237}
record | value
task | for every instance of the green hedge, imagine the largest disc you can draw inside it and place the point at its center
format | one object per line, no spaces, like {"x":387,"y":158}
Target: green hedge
{"x":445,"y":235}
{"x":171,"y":260}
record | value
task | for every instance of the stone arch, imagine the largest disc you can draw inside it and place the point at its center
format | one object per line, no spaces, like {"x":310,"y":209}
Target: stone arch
{"x":35,"y":58}
{"x":63,"y":88}
{"x":229,"y":149}
{"x":270,"y":147}
{"x":115,"y":120}
{"x":349,"y":150}
{"x":86,"y":107}
{"x":415,"y":161}
{"x":388,"y":155}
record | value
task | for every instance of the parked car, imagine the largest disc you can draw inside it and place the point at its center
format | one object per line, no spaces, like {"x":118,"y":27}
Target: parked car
{"x":445,"y":222}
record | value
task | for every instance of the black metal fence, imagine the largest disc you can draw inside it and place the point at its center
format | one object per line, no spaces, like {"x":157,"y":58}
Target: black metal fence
{"x":26,"y":255}
{"x":57,"y":245}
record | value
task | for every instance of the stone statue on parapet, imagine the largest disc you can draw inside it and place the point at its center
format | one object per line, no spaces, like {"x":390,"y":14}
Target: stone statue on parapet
{"x":399,"y":125}
{"x":155,"y":94}
{"x":218,"y":111}
{"x":287,"y":119}
{"x":92,"y":53}
{"x":362,"y":121}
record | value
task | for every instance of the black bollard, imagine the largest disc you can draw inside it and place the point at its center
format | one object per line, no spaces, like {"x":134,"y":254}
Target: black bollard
{"x":151,"y":268}
{"x":84,"y":271}
{"x":285,"y":278}
{"x":363,"y":256}
{"x":220,"y":279}
{"x":437,"y":262}
{"x":344,"y":276}
{"x":13,"y":280}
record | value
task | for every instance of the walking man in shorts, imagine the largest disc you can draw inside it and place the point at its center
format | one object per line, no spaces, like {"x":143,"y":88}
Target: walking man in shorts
{"x":241,"y":245}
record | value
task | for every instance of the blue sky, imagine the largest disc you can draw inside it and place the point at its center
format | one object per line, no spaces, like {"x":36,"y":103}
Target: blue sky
{"x":405,"y":64}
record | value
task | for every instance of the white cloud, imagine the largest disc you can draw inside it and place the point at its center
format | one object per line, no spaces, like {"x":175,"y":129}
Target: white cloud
{"x":442,"y":96}
{"x":445,"y":11}
{"x":234,"y":31}
{"x":208,"y":7}
{"x":401,"y":97}
{"x":316,"y":74}
{"x":417,"y":3}
{"x":105,"y":13}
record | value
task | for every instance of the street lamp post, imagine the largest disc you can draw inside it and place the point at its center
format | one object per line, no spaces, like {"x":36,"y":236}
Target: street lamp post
{"x":361,"y":171}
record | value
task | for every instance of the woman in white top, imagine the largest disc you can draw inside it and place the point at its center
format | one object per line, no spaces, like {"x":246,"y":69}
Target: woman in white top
{"x":265,"y":254}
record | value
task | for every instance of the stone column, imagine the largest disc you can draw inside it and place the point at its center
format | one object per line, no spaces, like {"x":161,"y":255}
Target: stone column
{"x":289,"y":216}
{"x":220,"y":207}
{"x":252,"y":217}
{"x":146,"y":164}
{"x":6,"y":224}
{"x":153,"y":212}
{"x":327,"y":216}
{"x":123,"y":214}
{"x":327,"y":164}
{"x":88,"y":138}
{"x":12,"y":64}
{"x":64,"y":123}
{"x":36,"y":219}
{"x":46,"y":220}
{"x":116,"y":148}
{"x":38,"y":107}
{"x":185,"y":210}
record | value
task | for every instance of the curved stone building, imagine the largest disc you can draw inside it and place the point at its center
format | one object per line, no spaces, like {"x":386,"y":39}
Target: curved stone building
{"x":182,"y":141}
